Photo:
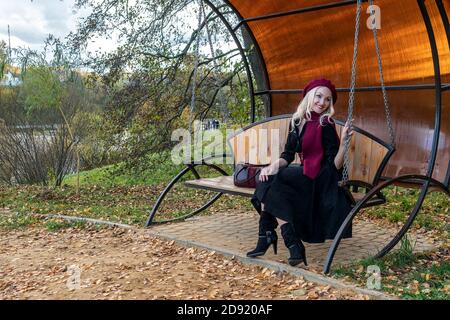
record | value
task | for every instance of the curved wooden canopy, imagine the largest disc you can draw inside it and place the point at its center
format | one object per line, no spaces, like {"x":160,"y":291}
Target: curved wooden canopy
{"x":315,"y":39}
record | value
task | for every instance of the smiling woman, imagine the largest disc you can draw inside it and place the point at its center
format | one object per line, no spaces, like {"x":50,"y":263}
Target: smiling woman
{"x":305,"y":200}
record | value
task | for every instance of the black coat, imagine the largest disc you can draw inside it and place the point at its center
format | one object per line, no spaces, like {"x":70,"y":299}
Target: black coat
{"x":316,"y":208}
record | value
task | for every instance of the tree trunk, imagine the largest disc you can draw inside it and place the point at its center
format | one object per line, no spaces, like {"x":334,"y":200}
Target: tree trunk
{"x":77,"y":190}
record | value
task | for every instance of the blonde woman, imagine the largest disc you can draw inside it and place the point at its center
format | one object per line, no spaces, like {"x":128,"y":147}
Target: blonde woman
{"x":305,"y":200}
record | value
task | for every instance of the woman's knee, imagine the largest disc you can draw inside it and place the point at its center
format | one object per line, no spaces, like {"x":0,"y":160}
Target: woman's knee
{"x":287,"y":173}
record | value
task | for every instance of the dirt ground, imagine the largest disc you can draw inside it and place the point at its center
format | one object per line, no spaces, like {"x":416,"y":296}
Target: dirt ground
{"x":111,"y":263}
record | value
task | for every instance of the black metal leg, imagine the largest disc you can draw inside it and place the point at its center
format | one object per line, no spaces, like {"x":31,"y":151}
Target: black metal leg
{"x":163,"y":195}
{"x":360,"y":204}
{"x":189,"y":167}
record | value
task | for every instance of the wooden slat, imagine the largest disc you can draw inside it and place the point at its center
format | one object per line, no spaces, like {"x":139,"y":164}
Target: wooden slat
{"x":360,"y":168}
{"x":378,"y":154}
{"x":365,"y":155}
{"x":220,"y":184}
{"x":261,"y":144}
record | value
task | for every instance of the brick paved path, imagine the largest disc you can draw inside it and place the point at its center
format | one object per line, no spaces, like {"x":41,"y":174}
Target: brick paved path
{"x":238,"y":233}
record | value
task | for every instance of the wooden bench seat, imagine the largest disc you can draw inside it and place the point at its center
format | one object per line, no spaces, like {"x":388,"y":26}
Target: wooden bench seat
{"x":225,"y":184}
{"x":222,"y":184}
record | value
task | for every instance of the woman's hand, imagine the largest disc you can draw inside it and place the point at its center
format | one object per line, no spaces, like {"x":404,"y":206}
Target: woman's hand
{"x":267,"y":171}
{"x":347,"y":131}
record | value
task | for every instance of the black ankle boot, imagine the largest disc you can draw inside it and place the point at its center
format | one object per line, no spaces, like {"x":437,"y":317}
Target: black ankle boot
{"x":264,"y":242}
{"x":266,"y":236}
{"x":295,"y":246}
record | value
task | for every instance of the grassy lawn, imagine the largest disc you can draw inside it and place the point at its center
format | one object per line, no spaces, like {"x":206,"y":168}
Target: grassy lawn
{"x":152,"y":170}
{"x":115,"y":204}
{"x":118,"y":194}
{"x":433,"y":214}
{"x":405,"y":274}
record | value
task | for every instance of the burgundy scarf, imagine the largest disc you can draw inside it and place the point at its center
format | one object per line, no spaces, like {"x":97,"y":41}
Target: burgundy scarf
{"x":312,"y":149}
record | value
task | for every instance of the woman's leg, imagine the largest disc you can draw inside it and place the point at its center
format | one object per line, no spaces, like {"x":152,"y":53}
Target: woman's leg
{"x":294,"y":244}
{"x":279,"y":221}
{"x":266,"y":234}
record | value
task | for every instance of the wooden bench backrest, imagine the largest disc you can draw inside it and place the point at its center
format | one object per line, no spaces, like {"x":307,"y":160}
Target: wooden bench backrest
{"x":263,"y":142}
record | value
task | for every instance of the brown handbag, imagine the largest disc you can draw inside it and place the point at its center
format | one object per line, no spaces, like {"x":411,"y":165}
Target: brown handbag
{"x":247,"y":175}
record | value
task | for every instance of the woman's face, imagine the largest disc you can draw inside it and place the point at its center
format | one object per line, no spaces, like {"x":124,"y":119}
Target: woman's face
{"x":322,"y":100}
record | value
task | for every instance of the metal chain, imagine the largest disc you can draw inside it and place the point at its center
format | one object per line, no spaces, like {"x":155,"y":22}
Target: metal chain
{"x":383,"y":88}
{"x":352,"y":93}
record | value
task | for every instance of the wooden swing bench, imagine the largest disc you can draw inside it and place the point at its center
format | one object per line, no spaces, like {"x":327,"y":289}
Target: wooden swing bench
{"x":262,"y":142}
{"x":368,"y":156}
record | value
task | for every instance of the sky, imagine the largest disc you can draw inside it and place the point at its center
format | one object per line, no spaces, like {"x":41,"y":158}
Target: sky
{"x":30,"y":22}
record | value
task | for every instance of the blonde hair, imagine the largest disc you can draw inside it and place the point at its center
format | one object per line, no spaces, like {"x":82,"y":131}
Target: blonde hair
{"x":305,"y":107}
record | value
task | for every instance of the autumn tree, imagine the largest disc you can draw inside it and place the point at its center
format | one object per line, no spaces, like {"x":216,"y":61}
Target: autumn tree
{"x":54,"y":94}
{"x":172,"y":56}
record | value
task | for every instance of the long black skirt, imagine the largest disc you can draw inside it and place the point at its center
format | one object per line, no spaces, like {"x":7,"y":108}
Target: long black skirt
{"x":316,"y":208}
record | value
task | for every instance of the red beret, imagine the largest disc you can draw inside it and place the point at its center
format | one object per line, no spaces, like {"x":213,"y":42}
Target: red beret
{"x":321,"y":83}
